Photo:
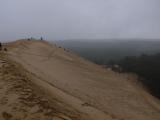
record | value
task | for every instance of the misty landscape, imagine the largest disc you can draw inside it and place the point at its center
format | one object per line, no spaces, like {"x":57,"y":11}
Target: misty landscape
{"x":136,"y":56}
{"x":79,"y":60}
{"x":102,"y":51}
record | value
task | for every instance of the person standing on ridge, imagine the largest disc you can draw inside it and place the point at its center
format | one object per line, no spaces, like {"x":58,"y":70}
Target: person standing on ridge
{"x":0,"y":46}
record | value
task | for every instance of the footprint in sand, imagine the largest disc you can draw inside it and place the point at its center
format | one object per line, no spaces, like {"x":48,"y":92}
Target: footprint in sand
{"x":6,"y":116}
{"x":3,"y":101}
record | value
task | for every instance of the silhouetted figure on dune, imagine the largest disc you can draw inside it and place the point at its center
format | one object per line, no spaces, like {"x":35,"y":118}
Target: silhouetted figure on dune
{"x":0,"y":46}
{"x":41,"y":38}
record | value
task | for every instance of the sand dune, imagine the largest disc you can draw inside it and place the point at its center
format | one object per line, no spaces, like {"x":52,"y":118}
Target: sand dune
{"x":49,"y":82}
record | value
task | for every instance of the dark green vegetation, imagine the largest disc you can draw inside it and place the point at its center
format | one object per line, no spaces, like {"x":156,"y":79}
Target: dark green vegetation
{"x":102,"y":51}
{"x":145,"y":60}
{"x":147,"y":67}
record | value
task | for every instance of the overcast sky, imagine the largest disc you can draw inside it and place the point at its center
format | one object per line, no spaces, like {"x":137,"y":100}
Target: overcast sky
{"x":79,"y":19}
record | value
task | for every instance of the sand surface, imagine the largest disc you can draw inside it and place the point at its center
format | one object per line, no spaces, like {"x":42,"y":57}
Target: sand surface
{"x":72,"y":87}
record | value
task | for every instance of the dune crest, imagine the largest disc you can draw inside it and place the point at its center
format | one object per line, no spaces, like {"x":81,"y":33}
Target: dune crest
{"x":72,"y":88}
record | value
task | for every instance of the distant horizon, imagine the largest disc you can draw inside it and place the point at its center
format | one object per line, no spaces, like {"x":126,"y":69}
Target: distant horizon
{"x":92,"y":40}
{"x":112,"y":39}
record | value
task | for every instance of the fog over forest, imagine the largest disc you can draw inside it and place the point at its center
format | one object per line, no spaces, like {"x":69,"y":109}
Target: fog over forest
{"x":101,"y":51}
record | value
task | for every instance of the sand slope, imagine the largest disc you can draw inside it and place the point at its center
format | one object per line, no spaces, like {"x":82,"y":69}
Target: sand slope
{"x":22,"y":99}
{"x":85,"y":90}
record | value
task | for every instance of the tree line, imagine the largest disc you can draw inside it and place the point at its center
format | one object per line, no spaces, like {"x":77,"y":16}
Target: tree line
{"x":147,"y":67}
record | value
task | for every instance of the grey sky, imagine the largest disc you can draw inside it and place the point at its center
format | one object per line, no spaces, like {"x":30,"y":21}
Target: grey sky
{"x":69,"y":19}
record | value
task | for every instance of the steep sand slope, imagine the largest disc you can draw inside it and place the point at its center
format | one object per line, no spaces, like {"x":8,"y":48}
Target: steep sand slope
{"x":90,"y":89}
{"x":21,"y":99}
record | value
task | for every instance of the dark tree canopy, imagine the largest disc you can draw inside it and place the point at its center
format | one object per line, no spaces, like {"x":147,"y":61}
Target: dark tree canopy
{"x":147,"y":67}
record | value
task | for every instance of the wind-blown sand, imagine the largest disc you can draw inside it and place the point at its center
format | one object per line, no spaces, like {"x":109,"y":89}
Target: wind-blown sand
{"x":53,"y":83}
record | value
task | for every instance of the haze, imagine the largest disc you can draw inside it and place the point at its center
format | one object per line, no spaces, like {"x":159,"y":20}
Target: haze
{"x":79,"y":19}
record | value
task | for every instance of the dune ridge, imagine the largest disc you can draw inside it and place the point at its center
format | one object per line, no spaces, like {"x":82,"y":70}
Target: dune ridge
{"x":73,"y":87}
